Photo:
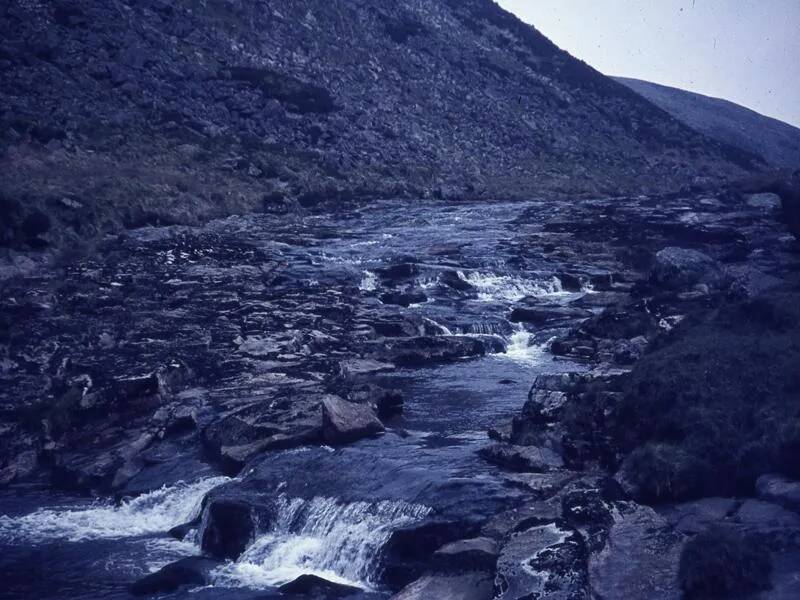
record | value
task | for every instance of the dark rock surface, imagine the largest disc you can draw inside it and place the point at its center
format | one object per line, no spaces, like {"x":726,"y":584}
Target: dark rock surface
{"x":186,"y":572}
{"x":311,"y":586}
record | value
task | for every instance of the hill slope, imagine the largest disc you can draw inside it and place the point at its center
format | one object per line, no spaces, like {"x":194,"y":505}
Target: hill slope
{"x":776,"y":141}
{"x":122,"y":113}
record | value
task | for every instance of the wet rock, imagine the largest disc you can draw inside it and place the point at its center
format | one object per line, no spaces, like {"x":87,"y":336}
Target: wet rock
{"x":423,"y":350}
{"x":192,"y":571}
{"x":398,"y":272}
{"x":476,"y":554}
{"x":546,"y":561}
{"x":408,"y":552}
{"x":469,"y":586}
{"x":228,"y":527}
{"x":680,"y":268}
{"x":344,"y":422}
{"x":404,"y":298}
{"x":546,"y":315}
{"x":779,"y":490}
{"x":525,"y":459}
{"x":640,"y":557}
{"x":453,"y":280}
{"x":317,"y":587}
{"x":387,"y":402}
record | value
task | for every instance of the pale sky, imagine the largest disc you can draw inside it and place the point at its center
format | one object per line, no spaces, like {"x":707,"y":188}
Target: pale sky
{"x":746,"y":51}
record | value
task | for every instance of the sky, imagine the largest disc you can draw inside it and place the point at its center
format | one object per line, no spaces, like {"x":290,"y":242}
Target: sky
{"x":746,"y":51}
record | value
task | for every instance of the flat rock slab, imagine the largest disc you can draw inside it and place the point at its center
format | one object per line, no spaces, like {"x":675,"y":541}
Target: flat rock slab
{"x":546,"y":561}
{"x":640,"y":558}
{"x":524,"y":459}
{"x":470,"y":586}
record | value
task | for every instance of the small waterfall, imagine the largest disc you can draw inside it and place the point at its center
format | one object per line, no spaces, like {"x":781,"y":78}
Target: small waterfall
{"x":521,"y":349}
{"x":338,"y":541}
{"x":150,"y":513}
{"x":509,"y":288}
{"x":369,"y":282}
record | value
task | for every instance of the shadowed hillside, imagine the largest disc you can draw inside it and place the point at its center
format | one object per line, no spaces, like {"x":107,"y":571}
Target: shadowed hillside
{"x":122,"y":113}
{"x":777,"y":142}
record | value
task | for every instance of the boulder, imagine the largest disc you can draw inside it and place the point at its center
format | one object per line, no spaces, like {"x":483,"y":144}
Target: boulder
{"x":317,"y":587}
{"x":192,"y":571}
{"x":779,"y":490}
{"x":344,"y":422}
{"x":408,"y":552}
{"x":228,"y":527}
{"x":680,"y":268}
{"x":469,"y":586}
{"x":524,"y":459}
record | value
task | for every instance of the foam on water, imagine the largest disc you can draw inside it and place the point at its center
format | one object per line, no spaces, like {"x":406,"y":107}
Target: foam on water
{"x":521,"y":349}
{"x":150,"y":513}
{"x":369,"y":282}
{"x":509,"y":288}
{"x":338,"y":541}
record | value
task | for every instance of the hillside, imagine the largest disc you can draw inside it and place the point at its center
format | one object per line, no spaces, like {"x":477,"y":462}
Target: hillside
{"x":777,"y":142}
{"x":122,"y":113}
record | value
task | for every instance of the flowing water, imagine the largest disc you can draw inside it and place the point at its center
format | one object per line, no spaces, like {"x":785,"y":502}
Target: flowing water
{"x":336,"y":507}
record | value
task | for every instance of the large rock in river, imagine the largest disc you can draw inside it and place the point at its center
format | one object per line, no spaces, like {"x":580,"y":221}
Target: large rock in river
{"x":193,"y":571}
{"x":344,"y":421}
{"x":228,"y":527}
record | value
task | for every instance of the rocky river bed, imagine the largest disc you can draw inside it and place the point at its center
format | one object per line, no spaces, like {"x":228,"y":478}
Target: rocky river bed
{"x":367,"y":402}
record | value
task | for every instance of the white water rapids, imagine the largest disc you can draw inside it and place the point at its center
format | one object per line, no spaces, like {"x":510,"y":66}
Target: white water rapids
{"x":150,"y":513}
{"x":338,"y":541}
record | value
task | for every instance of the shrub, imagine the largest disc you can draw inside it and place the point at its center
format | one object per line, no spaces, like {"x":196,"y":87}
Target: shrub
{"x":724,"y":388}
{"x":723,"y":563}
{"x":657,"y":472}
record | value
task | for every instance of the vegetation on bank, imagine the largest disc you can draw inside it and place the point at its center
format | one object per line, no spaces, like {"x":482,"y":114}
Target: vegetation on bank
{"x":715,"y":404}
